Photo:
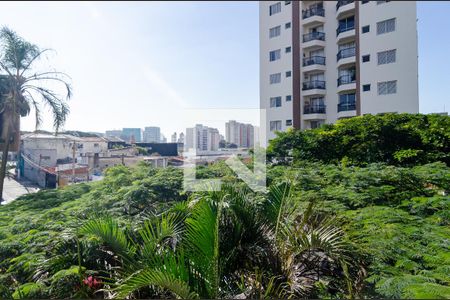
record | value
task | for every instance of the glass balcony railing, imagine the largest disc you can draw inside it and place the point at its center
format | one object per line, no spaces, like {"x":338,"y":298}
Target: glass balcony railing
{"x":314,"y":84}
{"x":343,"y":2}
{"x":314,"y":109}
{"x":346,"y":106}
{"x":314,"y":36}
{"x":313,"y":11}
{"x":313,"y":60}
{"x":345,"y":79}
{"x":347,"y":52}
{"x":344,"y":28}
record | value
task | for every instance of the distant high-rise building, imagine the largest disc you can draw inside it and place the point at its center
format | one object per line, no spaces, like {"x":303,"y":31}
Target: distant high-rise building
{"x":240,"y":134}
{"x":181,"y":138}
{"x":173,"y":138}
{"x":163,"y":139}
{"x":202,"y":138}
{"x":113,"y":133}
{"x":152,"y":135}
{"x":131,"y":135}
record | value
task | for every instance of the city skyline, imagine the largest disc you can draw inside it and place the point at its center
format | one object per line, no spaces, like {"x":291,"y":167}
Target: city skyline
{"x":208,"y":59}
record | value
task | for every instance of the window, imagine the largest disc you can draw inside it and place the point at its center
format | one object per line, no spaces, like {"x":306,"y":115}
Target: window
{"x":288,"y":74}
{"x":386,"y":26}
{"x":288,"y":49}
{"x":288,"y":122}
{"x":386,"y":57}
{"x":366,"y":29}
{"x":382,"y":2}
{"x":275,"y":31}
{"x":287,"y":2}
{"x":366,"y":87}
{"x":287,"y":25}
{"x":346,"y":24}
{"x":275,"y":125}
{"x":288,"y":98}
{"x":366,"y":58}
{"x":275,"y":102}
{"x":364,"y":1}
{"x":387,"y":87}
{"x":275,"y":78}
{"x":275,"y":8}
{"x":275,"y":55}
{"x":316,"y":124}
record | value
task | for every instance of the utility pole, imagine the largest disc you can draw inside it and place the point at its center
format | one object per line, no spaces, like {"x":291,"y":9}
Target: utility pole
{"x":73,"y":162}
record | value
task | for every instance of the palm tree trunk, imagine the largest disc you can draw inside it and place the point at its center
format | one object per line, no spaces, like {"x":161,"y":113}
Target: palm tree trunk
{"x":4,"y":158}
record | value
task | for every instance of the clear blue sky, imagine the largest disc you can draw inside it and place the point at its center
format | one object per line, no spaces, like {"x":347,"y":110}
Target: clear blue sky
{"x":141,"y":64}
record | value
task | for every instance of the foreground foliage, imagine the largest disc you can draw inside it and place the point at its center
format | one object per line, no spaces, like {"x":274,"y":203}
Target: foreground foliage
{"x":321,"y":231}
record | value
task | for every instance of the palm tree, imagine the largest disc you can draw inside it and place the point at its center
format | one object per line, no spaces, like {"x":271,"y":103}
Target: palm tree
{"x":205,"y":247}
{"x":23,"y":88}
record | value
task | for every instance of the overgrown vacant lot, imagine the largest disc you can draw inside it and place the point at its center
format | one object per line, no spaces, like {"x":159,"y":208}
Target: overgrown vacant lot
{"x":329,"y":228}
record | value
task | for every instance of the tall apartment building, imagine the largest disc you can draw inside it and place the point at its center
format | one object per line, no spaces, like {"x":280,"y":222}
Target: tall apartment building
{"x":152,"y":135}
{"x":321,"y":61}
{"x":202,"y":138}
{"x":113,"y":133}
{"x":239,"y":134}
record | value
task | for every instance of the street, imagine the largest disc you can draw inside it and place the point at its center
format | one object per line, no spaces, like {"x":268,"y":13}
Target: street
{"x":13,"y":189}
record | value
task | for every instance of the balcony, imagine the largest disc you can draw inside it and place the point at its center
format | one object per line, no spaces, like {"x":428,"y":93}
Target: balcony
{"x":313,"y":88}
{"x":313,"y":40}
{"x":313,"y":84}
{"x":319,"y":36}
{"x":344,"y":6}
{"x":313,"y":16}
{"x":314,"y":109}
{"x":314,"y":112}
{"x":346,"y":53}
{"x":314,"y":60}
{"x":342,"y":29}
{"x":346,"y":106}
{"x":345,"y":79}
{"x":313,"y":11}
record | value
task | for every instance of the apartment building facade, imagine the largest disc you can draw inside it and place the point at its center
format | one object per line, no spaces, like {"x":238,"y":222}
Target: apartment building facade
{"x":321,"y":61}
{"x":240,"y":134}
{"x":152,"y":134}
{"x":202,"y":139}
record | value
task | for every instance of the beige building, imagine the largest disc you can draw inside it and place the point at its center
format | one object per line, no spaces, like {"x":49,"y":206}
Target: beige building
{"x":321,"y":61}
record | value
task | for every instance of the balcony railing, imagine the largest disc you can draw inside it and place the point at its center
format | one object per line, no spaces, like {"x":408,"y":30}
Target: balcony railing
{"x":346,"y":106}
{"x":314,"y":109}
{"x":313,"y":11}
{"x":314,"y":84}
{"x":344,"y":28}
{"x":346,"y":79}
{"x":314,"y":36}
{"x":347,"y":52}
{"x":343,"y":2}
{"x":313,"y":60}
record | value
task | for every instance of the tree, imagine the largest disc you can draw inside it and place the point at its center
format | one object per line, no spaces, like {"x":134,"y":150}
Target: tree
{"x":24,"y":88}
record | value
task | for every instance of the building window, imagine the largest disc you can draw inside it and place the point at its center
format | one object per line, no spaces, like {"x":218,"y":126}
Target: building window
{"x":275,"y":55}
{"x":366,"y":29}
{"x":275,"y":8}
{"x":275,"y":125}
{"x":288,"y":98}
{"x":288,"y":122}
{"x":386,"y":57}
{"x":382,"y":2}
{"x":316,"y":124}
{"x":287,"y":2}
{"x":287,"y":25}
{"x":275,"y":31}
{"x":387,"y":87}
{"x":275,"y":102}
{"x":288,"y":74}
{"x":366,"y":58}
{"x":288,"y":50}
{"x":386,"y":26}
{"x":275,"y":78}
{"x":366,"y":87}
{"x":364,"y":1}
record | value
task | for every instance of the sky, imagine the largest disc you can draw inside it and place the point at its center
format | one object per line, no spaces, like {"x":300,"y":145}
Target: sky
{"x":148,"y":63}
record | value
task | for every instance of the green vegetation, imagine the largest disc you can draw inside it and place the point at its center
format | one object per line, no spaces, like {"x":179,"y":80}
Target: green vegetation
{"x":324,"y":230}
